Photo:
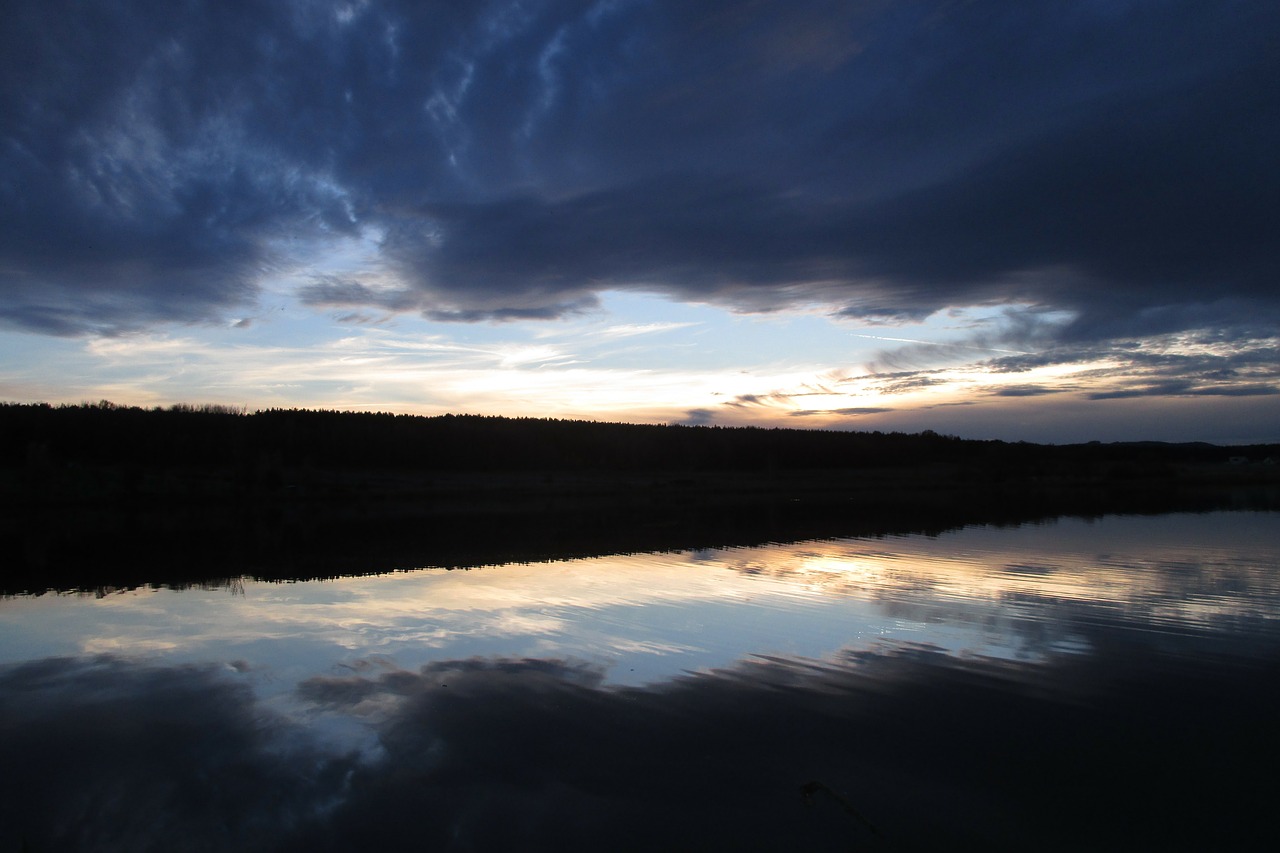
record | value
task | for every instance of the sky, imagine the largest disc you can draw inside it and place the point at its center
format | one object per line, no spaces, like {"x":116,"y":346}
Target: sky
{"x":1025,"y":220}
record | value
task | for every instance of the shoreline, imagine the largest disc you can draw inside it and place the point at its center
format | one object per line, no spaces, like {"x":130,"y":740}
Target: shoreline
{"x":341,"y":526}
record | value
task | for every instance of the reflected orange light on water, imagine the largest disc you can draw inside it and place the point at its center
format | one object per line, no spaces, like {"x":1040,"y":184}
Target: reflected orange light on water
{"x":1026,"y":591}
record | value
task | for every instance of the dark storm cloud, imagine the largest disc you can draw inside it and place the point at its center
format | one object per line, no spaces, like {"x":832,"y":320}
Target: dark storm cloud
{"x":145,"y":175}
{"x":689,"y":236}
{"x":511,"y":161}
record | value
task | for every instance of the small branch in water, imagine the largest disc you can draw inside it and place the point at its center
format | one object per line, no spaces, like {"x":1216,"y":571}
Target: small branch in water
{"x":809,"y":789}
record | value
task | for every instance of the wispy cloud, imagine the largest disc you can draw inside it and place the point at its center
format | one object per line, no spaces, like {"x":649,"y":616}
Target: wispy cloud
{"x":629,"y":330}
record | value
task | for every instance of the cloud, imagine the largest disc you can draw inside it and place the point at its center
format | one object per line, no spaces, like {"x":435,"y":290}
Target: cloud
{"x":851,"y":411}
{"x":340,"y":291}
{"x":884,"y":161}
{"x":1208,"y":362}
{"x":906,"y":381}
{"x":1181,"y":388}
{"x":1238,"y":391}
{"x":140,"y":185}
{"x":1025,"y":391}
{"x":533,"y":312}
{"x":630,"y":330}
{"x":698,"y":417}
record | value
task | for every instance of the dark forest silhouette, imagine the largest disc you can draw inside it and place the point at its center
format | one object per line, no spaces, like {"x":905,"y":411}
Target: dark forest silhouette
{"x":192,"y":437}
{"x":98,"y":494}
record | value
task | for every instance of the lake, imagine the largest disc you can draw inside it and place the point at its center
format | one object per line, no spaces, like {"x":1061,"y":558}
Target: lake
{"x":1106,"y":683}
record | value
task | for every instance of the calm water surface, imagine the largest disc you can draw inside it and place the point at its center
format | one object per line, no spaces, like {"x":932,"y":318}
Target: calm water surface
{"x":1108,"y":683}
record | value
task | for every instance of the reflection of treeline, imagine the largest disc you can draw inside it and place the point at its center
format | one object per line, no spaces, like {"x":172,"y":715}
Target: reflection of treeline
{"x":108,"y":496}
{"x":219,"y":437}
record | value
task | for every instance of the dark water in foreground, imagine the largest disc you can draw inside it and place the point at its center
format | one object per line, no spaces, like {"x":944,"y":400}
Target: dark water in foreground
{"x":1073,"y":685}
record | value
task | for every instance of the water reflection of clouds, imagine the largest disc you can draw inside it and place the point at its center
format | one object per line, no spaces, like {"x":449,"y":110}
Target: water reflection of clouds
{"x":103,"y":754}
{"x":1198,"y":561}
{"x":770,"y":753}
{"x":943,"y":685}
{"x":1002,"y":592}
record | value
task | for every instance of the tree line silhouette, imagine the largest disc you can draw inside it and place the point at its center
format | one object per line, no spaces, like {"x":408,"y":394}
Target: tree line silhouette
{"x":100,"y":495}
{"x":219,"y":437}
